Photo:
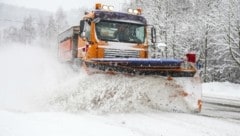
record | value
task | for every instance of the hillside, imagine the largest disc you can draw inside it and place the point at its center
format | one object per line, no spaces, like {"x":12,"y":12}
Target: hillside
{"x":13,"y":15}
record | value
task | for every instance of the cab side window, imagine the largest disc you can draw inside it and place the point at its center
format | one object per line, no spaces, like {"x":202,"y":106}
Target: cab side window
{"x":87,"y":29}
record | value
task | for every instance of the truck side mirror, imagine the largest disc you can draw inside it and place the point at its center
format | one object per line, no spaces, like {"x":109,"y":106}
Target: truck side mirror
{"x":82,"y":23}
{"x":83,"y":34}
{"x":153,"y":35}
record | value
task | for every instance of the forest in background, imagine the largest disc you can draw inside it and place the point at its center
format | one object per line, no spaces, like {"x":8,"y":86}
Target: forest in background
{"x":210,"y":28}
{"x":28,"y":26}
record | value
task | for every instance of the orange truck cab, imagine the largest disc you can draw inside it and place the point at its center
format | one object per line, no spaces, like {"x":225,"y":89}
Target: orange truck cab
{"x":104,"y":33}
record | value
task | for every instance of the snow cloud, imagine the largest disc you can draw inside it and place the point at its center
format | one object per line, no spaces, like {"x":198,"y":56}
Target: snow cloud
{"x":27,"y":76}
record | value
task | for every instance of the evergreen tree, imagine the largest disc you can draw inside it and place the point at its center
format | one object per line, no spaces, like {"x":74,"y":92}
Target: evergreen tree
{"x":61,"y":21}
{"x":27,"y":31}
{"x":11,"y":34}
{"x":41,"y":28}
{"x":51,"y":32}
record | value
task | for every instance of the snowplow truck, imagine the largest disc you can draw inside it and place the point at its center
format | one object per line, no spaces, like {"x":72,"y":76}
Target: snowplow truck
{"x":115,"y":42}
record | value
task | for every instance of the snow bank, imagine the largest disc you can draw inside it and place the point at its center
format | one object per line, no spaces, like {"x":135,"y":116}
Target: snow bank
{"x":224,"y":90}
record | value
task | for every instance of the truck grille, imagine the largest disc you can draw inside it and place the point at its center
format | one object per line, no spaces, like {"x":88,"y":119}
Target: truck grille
{"x":118,"y":53}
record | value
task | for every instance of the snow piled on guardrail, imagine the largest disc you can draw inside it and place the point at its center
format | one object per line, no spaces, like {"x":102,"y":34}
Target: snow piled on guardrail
{"x":223,"y":90}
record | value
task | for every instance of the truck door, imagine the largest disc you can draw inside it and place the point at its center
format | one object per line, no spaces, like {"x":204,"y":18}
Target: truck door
{"x":83,"y":38}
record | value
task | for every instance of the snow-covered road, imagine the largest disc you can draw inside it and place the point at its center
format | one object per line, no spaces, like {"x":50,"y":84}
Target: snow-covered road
{"x":222,"y":101}
{"x":127,"y":124}
{"x":134,"y":124}
{"x":222,"y":108}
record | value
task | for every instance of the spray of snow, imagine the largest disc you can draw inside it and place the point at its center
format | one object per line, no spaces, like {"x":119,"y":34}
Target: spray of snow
{"x":32,"y":79}
{"x":117,"y":93}
{"x":27,"y":75}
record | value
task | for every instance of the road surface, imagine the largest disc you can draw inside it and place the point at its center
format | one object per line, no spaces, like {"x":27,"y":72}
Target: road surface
{"x":221,"y":108}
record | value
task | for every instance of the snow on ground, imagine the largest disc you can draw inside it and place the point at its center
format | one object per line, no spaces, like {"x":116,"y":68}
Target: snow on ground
{"x":39,"y":96}
{"x":132,"y":124}
{"x":224,"y":90}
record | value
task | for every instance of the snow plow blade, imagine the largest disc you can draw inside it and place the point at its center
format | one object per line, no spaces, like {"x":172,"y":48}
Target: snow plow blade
{"x":163,"y":67}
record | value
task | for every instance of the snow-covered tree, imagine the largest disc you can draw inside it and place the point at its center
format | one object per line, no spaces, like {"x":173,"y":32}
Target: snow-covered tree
{"x":51,"y":31}
{"x":231,"y":68}
{"x":200,"y":26}
{"x":27,"y":31}
{"x":41,"y":28}
{"x":11,"y":34}
{"x":234,"y":30}
{"x":61,"y":21}
{"x":1,"y":38}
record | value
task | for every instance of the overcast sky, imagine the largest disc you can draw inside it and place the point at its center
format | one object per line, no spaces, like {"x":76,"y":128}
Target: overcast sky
{"x":52,"y":5}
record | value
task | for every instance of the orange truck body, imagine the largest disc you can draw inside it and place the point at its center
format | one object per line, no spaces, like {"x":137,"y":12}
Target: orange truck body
{"x":67,"y":46}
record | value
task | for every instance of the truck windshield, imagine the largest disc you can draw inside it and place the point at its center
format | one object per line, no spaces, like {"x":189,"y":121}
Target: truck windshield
{"x":120,"y":32}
